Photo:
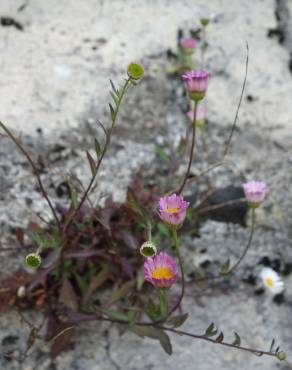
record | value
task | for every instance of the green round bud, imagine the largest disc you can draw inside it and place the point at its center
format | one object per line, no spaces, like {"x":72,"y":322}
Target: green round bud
{"x":135,"y":71}
{"x":33,"y":260}
{"x":204,"y":21}
{"x":281,"y":356}
{"x":148,"y":249}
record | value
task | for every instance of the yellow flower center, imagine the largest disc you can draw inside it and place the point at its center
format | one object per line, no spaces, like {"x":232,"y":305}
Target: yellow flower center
{"x":162,"y":273}
{"x":172,"y":209}
{"x":269,"y":282}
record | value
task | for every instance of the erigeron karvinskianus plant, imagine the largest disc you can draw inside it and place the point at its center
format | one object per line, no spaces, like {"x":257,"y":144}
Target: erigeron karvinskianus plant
{"x":83,"y":247}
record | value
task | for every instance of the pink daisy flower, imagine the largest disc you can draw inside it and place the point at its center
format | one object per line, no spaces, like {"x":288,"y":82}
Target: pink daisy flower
{"x":196,"y":83}
{"x":161,"y":270}
{"x":255,"y":192}
{"x":173,"y":209}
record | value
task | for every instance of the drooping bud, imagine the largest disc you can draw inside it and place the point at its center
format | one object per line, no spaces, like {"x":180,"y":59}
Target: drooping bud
{"x":148,"y":249}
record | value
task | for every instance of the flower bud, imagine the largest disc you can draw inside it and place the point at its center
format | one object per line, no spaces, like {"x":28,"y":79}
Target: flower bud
{"x":281,"y":356}
{"x":204,"y":21}
{"x":188,"y":44}
{"x":135,"y":71}
{"x":33,"y":260}
{"x":148,"y":249}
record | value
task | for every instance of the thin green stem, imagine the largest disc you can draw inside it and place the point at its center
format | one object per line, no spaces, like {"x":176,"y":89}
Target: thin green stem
{"x":181,"y":266}
{"x":192,"y":149}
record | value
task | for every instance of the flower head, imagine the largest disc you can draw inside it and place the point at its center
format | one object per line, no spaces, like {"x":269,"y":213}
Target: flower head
{"x":200,"y":115}
{"x":188,"y":44}
{"x":272,"y":280}
{"x":148,"y":249}
{"x":196,"y":83}
{"x":173,"y":209}
{"x":161,"y":270}
{"x":255,"y":192}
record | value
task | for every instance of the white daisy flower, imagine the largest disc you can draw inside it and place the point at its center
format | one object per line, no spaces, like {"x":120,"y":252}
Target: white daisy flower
{"x":272,"y":280}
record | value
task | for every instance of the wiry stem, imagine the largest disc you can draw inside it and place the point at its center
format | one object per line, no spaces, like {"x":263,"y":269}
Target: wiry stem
{"x":257,"y":352}
{"x":105,"y":148}
{"x":238,"y":106}
{"x":35,"y":171}
{"x":234,"y":267}
{"x":192,"y":149}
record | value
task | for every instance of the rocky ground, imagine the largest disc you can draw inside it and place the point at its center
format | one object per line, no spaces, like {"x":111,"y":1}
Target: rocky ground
{"x":56,"y":59}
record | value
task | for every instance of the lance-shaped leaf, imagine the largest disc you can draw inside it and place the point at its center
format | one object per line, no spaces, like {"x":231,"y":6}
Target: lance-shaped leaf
{"x":112,"y":111}
{"x":272,"y":345}
{"x":211,"y":330}
{"x":220,"y":338}
{"x":224,"y":269}
{"x":153,"y":310}
{"x":91,"y":163}
{"x":115,"y":90}
{"x":68,"y":296}
{"x":153,"y":333}
{"x":121,"y":292}
{"x":115,"y":315}
{"x":161,"y":153}
{"x":115,"y":99}
{"x":237,"y":340}
{"x":97,"y":147}
{"x":165,"y":342}
{"x":177,"y":321}
{"x":74,"y":197}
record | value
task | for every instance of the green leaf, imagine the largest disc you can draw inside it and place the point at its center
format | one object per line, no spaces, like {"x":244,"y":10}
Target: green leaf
{"x":164,"y":230}
{"x":177,"y":321}
{"x":272,"y":345}
{"x":97,"y":147}
{"x":237,"y":340}
{"x":112,"y":111}
{"x":152,"y":310}
{"x":153,"y":333}
{"x":211,"y":330}
{"x":91,"y":163}
{"x":224,"y":269}
{"x":121,"y":292}
{"x":165,"y":341}
{"x":114,"y":315}
{"x":161,"y":153}
{"x":74,"y":196}
{"x":115,"y":99}
{"x":115,"y":90}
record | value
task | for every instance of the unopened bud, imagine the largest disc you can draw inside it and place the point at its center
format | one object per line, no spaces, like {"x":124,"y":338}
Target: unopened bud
{"x":148,"y":249}
{"x":33,"y":260}
{"x":135,"y":71}
{"x":281,"y":356}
